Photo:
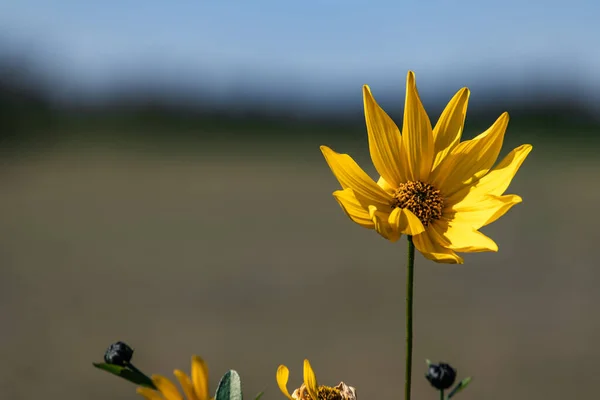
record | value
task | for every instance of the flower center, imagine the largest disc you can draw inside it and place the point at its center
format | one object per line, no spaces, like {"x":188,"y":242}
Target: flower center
{"x":422,"y":199}
{"x":329,"y":393}
{"x":323,"y":393}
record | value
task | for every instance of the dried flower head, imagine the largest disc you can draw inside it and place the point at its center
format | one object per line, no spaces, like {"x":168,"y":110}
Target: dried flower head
{"x":310,"y":389}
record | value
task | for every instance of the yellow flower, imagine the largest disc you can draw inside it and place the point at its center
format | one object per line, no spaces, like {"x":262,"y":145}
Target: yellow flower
{"x":310,"y":390}
{"x":432,"y":186}
{"x":195,"y":388}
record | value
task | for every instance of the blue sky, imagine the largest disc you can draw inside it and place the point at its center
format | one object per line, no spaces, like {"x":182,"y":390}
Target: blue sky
{"x":303,"y":46}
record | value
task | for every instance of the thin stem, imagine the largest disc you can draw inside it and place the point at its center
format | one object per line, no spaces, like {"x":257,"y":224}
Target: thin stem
{"x":410,"y":272}
{"x":441,"y":394}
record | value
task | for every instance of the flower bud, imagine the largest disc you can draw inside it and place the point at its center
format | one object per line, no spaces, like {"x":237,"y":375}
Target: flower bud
{"x":441,"y":376}
{"x":118,"y":354}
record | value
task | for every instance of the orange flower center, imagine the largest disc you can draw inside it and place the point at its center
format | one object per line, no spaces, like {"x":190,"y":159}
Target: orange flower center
{"x":422,"y":199}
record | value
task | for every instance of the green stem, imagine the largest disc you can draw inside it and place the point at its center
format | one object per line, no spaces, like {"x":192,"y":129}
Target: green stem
{"x":410,"y":272}
{"x":441,"y":394}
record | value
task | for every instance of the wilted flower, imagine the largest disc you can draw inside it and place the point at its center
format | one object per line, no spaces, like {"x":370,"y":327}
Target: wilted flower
{"x":310,"y":390}
{"x":194,"y":388}
{"x":441,"y":376}
{"x":433,"y":187}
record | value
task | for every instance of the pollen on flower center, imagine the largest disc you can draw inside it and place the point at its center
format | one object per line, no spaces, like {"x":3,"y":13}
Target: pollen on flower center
{"x":329,"y":393}
{"x":422,"y":199}
{"x":324,"y":393}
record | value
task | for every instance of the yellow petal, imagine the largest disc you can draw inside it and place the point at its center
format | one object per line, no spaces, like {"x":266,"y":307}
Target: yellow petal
{"x":471,"y":159}
{"x":434,"y":251}
{"x":417,"y":136}
{"x":384,"y":140}
{"x":404,"y":221}
{"x":448,"y":130}
{"x":149,"y":394}
{"x":166,"y":387}
{"x":310,"y":380}
{"x":186,"y":384}
{"x":382,"y":183}
{"x":351,"y":176}
{"x":283,"y":374}
{"x":353,"y":208}
{"x":509,"y":200}
{"x":463,"y":237}
{"x":381,"y":224}
{"x":200,"y":378}
{"x":481,"y":212}
{"x":497,"y":180}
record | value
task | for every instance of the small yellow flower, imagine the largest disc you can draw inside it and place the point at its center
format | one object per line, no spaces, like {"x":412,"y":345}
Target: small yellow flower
{"x":310,"y":390}
{"x":195,"y":388}
{"x":432,"y":186}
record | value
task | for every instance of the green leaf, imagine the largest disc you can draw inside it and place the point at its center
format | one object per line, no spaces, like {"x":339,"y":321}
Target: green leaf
{"x":230,"y":387}
{"x":127,"y":374}
{"x":258,"y":396}
{"x":461,"y":385}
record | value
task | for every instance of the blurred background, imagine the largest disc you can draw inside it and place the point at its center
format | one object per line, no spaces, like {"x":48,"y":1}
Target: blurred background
{"x":162,"y":184}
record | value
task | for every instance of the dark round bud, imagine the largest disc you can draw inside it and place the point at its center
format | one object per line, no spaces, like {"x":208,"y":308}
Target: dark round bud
{"x":441,"y":376}
{"x":118,"y":354}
